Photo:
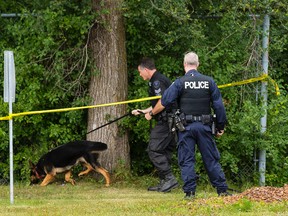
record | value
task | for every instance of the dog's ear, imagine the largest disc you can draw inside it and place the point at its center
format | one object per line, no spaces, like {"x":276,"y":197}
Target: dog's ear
{"x":31,"y":164}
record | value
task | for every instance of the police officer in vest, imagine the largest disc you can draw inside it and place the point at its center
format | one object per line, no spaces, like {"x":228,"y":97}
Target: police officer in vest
{"x":197,"y":95}
{"x":162,"y":142}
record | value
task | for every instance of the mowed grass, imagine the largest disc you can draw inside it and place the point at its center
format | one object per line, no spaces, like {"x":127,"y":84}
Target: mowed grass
{"x":93,"y":198}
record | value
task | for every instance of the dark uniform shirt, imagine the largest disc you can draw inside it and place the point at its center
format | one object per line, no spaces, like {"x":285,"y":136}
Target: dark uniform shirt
{"x":175,"y":92}
{"x":157,"y":85}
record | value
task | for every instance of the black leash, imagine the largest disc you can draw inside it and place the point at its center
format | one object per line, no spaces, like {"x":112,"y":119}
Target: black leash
{"x":110,"y":122}
{"x":198,"y":176}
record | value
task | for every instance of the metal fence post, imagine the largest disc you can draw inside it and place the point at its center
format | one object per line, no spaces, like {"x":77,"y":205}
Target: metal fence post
{"x":264,"y":94}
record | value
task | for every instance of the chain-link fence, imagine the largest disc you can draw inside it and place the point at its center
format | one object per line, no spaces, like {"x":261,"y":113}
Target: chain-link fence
{"x":247,"y":173}
{"x":4,"y":181}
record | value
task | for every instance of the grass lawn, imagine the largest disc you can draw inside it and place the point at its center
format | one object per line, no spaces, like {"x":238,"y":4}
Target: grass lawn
{"x":93,"y":198}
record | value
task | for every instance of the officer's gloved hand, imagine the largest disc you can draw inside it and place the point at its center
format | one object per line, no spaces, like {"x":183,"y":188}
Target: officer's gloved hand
{"x":148,"y":116}
{"x":137,"y":112}
{"x":219,"y":133}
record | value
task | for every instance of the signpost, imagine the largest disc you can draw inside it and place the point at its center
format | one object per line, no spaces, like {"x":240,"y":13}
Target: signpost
{"x":9,"y":96}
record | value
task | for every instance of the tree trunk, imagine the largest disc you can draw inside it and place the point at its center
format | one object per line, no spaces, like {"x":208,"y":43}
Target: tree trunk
{"x":109,"y":83}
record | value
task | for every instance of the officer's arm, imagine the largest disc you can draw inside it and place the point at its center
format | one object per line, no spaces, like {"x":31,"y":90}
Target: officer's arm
{"x":157,"y":109}
{"x":139,"y":111}
{"x":218,"y":107}
{"x":168,"y":98}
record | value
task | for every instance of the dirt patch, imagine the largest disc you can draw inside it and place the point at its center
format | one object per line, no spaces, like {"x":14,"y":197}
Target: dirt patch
{"x":266,"y":194}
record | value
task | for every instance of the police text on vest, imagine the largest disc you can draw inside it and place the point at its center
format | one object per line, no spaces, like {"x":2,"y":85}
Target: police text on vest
{"x":197,"y":85}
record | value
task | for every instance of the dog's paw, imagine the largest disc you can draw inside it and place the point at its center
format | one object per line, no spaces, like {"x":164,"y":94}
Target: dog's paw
{"x":72,"y":181}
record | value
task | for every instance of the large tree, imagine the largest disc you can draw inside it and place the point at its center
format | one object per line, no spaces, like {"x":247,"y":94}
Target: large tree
{"x":109,"y":82}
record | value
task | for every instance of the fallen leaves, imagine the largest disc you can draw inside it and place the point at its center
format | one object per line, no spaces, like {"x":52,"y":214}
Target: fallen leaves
{"x":266,"y":194}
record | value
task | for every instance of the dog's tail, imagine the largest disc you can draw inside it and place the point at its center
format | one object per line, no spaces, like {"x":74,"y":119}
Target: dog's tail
{"x":93,"y":145}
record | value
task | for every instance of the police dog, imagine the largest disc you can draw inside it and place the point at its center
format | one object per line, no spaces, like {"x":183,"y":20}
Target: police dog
{"x":62,"y":158}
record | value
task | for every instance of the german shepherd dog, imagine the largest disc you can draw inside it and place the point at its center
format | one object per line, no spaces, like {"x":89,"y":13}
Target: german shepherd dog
{"x":62,"y":158}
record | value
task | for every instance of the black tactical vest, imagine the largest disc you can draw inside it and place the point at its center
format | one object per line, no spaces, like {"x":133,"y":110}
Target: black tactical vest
{"x":196,"y":97}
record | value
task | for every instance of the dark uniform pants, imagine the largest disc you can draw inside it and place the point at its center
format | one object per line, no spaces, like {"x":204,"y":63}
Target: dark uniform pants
{"x":161,"y":146}
{"x":200,"y":134}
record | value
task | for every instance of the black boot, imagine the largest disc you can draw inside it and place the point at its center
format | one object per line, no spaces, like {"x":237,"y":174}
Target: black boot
{"x":189,"y":195}
{"x":156,"y":187}
{"x":224,"y":193}
{"x":169,"y":183}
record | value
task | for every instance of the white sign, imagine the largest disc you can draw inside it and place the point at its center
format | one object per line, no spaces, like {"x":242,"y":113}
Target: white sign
{"x":9,"y":77}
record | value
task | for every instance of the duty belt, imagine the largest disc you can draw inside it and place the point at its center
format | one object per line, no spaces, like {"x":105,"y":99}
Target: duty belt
{"x":205,"y":119}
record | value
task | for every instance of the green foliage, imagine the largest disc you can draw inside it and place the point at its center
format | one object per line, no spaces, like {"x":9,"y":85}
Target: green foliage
{"x":49,"y":45}
{"x":160,"y":30}
{"x":49,"y":41}
{"x":276,"y":141}
{"x":227,"y":35}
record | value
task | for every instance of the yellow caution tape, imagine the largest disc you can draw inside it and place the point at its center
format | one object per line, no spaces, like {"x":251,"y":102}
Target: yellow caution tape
{"x":263,"y":77}
{"x":275,"y":85}
{"x":76,"y":108}
{"x":255,"y":79}
{"x":6,"y":117}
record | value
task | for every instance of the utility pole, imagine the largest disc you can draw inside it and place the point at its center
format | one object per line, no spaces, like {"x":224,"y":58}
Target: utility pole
{"x":264,"y":95}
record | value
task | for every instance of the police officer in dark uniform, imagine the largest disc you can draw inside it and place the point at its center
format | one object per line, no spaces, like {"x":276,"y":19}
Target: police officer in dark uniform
{"x":162,"y":141}
{"x":197,"y":95}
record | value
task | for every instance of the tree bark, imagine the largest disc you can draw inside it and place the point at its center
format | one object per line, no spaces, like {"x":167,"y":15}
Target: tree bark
{"x":109,"y":83}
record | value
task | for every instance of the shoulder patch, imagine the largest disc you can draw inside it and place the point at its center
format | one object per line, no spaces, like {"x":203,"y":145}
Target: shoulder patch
{"x":158,"y":92}
{"x":156,"y":84}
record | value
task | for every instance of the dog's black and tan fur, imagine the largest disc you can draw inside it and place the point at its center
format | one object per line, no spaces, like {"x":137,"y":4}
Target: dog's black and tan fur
{"x":64,"y":157}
